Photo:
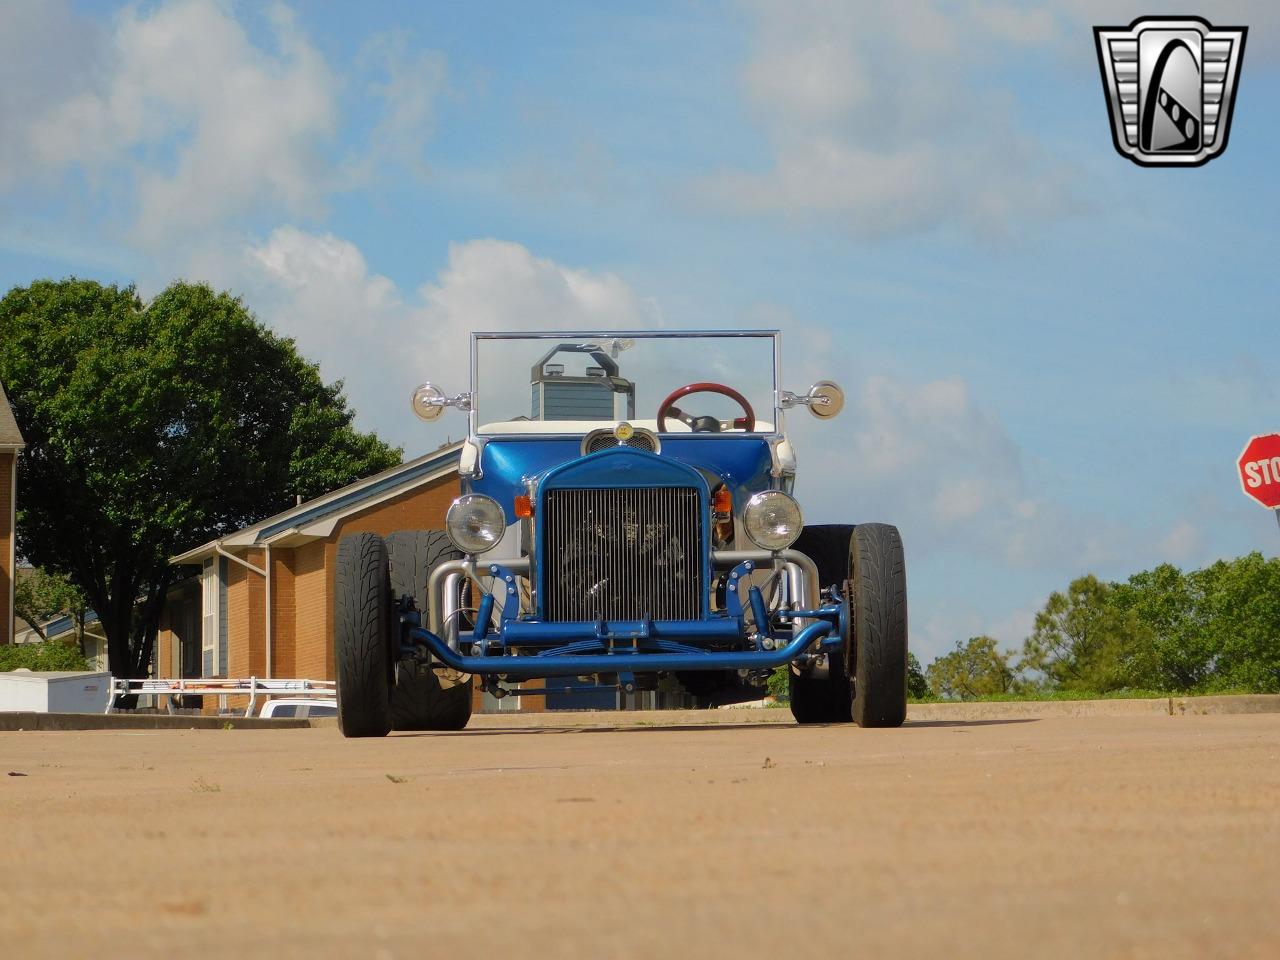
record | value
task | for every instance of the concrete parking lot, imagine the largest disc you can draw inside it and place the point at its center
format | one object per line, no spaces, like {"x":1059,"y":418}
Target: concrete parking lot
{"x":1141,"y":836}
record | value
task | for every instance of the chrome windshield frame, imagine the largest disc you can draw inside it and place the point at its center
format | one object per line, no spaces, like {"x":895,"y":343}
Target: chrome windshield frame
{"x":473,"y":415}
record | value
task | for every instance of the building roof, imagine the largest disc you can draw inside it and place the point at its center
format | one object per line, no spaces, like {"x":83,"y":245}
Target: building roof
{"x":319,"y":517}
{"x":10,"y":435}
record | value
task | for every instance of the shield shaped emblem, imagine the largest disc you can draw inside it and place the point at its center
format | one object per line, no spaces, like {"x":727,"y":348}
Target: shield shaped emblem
{"x":1170,"y":84}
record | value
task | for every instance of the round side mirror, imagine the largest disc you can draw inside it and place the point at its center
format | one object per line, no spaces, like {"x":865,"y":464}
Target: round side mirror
{"x":429,"y":402}
{"x":826,"y":399}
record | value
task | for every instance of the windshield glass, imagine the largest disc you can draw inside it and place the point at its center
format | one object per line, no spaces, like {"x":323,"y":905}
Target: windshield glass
{"x":571,"y":383}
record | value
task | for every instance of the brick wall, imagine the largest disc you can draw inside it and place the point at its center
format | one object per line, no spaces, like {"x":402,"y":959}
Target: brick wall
{"x":312,"y":613}
{"x":246,"y":654}
{"x":6,"y":544}
{"x":167,"y":654}
{"x":283,"y":648}
{"x":420,"y":509}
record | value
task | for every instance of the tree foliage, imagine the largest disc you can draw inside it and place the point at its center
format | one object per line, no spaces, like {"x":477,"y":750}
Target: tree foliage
{"x":1084,"y":640}
{"x":40,"y":596}
{"x":1176,"y":653}
{"x":973,"y":669}
{"x":917,"y":683}
{"x":1212,"y":629}
{"x":48,"y":655}
{"x":153,"y":427}
{"x":1164,"y":630}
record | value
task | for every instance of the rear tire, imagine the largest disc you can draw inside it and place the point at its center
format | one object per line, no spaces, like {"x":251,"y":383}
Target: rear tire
{"x":362,"y":636}
{"x":421,"y":699}
{"x":824,"y":699}
{"x":878,"y":660}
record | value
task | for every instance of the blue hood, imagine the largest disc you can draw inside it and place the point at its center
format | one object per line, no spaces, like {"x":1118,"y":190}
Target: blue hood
{"x":742,"y":463}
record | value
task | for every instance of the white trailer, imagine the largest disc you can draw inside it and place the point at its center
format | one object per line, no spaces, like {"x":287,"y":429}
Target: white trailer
{"x":54,"y":691}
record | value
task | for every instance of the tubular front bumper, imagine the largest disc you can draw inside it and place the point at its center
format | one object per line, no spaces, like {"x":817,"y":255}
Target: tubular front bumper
{"x":580,"y":649}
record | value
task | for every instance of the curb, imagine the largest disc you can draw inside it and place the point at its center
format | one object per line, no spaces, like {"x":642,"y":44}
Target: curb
{"x":140,"y":721}
{"x":1047,"y":709}
{"x":1209,"y":706}
{"x":1039,"y":709}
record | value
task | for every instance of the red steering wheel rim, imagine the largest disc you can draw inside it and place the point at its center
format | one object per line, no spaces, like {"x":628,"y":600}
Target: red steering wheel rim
{"x":667,"y":406}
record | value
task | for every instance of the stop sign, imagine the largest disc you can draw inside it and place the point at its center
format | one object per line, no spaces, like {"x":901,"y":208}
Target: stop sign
{"x":1260,"y":469}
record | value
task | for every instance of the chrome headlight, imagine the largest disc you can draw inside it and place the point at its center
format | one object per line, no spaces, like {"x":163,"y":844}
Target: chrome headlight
{"x":475,"y":523}
{"x":773,"y":520}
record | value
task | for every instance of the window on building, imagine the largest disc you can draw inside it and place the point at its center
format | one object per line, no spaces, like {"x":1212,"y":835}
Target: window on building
{"x":209,"y":619}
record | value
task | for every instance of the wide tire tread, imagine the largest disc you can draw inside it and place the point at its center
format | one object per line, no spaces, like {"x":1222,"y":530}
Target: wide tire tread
{"x":361,"y":642}
{"x":879,"y":589}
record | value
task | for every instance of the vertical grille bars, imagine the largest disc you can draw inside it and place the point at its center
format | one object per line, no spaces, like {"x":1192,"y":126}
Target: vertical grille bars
{"x":622,"y":554}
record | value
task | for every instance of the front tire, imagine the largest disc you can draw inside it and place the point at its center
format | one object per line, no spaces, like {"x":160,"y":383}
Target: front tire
{"x":878,"y":660}
{"x":362,"y":636}
{"x":868,"y":684}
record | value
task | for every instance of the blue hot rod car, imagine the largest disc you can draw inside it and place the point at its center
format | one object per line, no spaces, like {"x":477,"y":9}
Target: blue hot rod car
{"x":628,"y":521}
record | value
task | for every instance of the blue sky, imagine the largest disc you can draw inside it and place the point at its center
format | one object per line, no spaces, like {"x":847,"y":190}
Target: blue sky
{"x":1052,"y":356}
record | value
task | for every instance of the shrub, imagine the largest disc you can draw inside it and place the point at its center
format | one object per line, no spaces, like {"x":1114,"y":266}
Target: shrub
{"x":50,"y":655}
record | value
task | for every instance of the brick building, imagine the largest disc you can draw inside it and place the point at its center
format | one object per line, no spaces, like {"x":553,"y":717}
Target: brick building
{"x":261,"y":603}
{"x":10,"y":445}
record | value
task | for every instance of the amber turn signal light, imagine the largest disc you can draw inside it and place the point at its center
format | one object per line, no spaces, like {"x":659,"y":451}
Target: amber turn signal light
{"x":524,"y":506}
{"x":722,"y":501}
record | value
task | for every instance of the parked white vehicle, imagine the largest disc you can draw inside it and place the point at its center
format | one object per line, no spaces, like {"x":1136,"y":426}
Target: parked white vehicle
{"x":293,"y":709}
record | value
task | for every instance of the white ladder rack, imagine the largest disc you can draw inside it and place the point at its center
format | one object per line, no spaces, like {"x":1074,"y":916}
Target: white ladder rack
{"x":254,"y":687}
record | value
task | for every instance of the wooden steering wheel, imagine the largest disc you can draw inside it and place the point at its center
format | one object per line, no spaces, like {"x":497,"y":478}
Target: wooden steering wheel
{"x":706,"y":424}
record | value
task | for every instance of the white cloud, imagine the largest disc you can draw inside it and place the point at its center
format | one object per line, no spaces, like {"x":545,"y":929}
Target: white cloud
{"x":1183,"y":543}
{"x":495,"y":284}
{"x":928,"y":457}
{"x":46,"y":53}
{"x":183,"y":118}
{"x":211,"y":124}
{"x":894,"y":118}
{"x":318,"y":289}
{"x":410,"y":82}
{"x":877,"y":120}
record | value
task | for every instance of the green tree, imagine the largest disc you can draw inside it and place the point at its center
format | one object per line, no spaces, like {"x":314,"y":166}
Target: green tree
{"x":975,"y":668}
{"x":39,"y":596}
{"x":1238,"y":611}
{"x":917,"y":683}
{"x":1179,"y":654}
{"x":153,"y":427}
{"x":1084,"y":640}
